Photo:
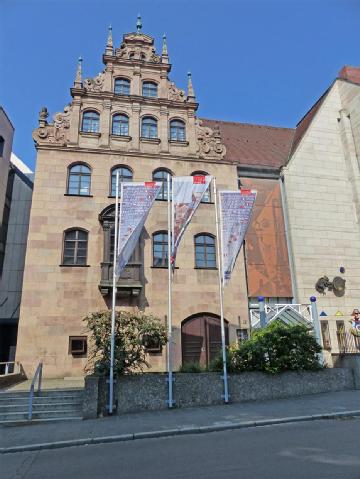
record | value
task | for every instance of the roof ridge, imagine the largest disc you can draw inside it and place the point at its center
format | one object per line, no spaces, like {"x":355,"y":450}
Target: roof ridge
{"x":248,"y":124}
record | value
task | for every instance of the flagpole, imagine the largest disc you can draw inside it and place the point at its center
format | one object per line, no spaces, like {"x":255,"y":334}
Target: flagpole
{"x":219,"y":246}
{"x":112,"y":347}
{"x":169,"y":344}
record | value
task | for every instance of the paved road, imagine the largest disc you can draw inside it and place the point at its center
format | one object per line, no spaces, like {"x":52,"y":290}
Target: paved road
{"x":319,"y":449}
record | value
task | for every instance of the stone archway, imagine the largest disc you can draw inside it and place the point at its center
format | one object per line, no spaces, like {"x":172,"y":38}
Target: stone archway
{"x":201,"y":338}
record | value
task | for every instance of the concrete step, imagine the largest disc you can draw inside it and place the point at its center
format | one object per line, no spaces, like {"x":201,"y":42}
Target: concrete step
{"x":48,"y":414}
{"x":46,"y":397}
{"x":25,"y":422}
{"x":44,"y":393}
{"x":41,"y":406}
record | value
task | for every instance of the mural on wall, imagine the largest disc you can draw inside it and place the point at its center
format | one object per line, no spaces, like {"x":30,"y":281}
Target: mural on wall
{"x":355,"y":322}
{"x":267,"y":258}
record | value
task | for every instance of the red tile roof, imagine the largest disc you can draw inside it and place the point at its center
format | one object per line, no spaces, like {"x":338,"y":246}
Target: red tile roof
{"x":350,"y":73}
{"x":254,"y":145}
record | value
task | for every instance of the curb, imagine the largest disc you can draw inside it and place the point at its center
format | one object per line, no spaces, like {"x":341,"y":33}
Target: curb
{"x":175,"y":432}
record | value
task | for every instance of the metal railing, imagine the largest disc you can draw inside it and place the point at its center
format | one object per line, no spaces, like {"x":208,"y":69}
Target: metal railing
{"x":37,"y":375}
{"x":9,"y":367}
{"x":348,"y":343}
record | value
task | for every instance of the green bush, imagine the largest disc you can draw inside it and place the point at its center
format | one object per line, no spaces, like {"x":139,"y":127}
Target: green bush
{"x":273,"y":349}
{"x":192,"y":368}
{"x":133,"y":332}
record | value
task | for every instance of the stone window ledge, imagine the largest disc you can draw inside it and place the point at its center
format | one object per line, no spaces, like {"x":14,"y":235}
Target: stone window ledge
{"x":121,"y":138}
{"x":179,"y":143}
{"x":85,"y":196}
{"x":90,"y":134}
{"x":74,"y":265}
{"x":156,"y":141}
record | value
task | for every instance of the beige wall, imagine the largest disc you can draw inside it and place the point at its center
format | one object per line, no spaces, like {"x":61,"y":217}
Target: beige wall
{"x":322,"y":191}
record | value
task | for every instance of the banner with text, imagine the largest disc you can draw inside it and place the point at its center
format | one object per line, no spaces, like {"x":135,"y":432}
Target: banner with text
{"x":136,"y":202}
{"x":187,"y":192}
{"x":235,"y":214}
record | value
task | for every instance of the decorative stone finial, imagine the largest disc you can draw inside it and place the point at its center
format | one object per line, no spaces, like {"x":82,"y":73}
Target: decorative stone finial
{"x":164,"y":46}
{"x":139,"y":24}
{"x":43,"y":114}
{"x":191,"y":93}
{"x":109,"y":43}
{"x":78,"y":78}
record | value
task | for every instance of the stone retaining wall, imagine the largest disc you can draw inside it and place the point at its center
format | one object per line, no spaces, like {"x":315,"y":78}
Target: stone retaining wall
{"x":149,"y":391}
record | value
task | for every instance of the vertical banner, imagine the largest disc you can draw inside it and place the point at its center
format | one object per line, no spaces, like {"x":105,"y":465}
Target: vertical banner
{"x":187,"y":192}
{"x":235,"y":214}
{"x":136,"y":202}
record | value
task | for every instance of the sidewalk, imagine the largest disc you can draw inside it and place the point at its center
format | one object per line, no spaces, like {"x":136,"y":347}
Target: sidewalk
{"x":178,"y":421}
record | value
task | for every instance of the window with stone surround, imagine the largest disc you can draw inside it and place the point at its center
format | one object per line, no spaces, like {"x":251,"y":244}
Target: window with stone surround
{"x":79,"y":180}
{"x":90,"y":122}
{"x":149,"y":128}
{"x":177,"y":130}
{"x":161,"y":175}
{"x":75,"y":247}
{"x":207,"y":195}
{"x":205,"y":257}
{"x":149,"y":89}
{"x":125,"y":174}
{"x":122,"y":86}
{"x":160,"y":249}
{"x":120,"y":125}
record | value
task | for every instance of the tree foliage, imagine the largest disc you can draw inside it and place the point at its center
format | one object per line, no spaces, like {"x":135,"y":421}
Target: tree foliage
{"x":133,"y":332}
{"x":274,"y":349}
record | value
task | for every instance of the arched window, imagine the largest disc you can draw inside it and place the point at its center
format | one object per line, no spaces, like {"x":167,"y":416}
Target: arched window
{"x":91,"y":122}
{"x":160,"y":249}
{"x":149,"y":89}
{"x":205,"y":251}
{"x":149,"y":127}
{"x":161,"y":175}
{"x":122,"y":86}
{"x":120,"y":125}
{"x":79,"y":179}
{"x":75,"y":247}
{"x":207,"y":195}
{"x":177,"y":130}
{"x":125,"y":174}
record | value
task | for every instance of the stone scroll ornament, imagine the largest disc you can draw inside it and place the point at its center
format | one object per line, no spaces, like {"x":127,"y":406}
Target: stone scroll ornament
{"x":136,"y":202}
{"x":187,"y":193}
{"x":95,"y":84}
{"x":235,"y":215}
{"x":209,"y":142}
{"x":355,"y":323}
{"x":55,"y":132}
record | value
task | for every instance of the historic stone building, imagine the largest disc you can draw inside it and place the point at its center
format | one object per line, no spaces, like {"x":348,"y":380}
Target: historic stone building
{"x":133,"y":119}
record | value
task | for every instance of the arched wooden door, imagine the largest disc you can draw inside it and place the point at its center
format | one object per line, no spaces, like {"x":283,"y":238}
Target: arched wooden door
{"x":201,"y":339}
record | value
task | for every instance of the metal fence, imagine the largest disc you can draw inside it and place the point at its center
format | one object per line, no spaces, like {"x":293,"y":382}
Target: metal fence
{"x":348,"y":343}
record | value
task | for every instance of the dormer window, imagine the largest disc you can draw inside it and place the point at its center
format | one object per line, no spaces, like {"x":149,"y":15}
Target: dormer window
{"x":149,"y":89}
{"x":122,"y":86}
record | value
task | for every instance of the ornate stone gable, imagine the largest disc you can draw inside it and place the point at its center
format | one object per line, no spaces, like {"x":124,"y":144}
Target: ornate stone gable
{"x":209,"y":144}
{"x":56,"y":132}
{"x":137,"y":46}
{"x":176,"y":94}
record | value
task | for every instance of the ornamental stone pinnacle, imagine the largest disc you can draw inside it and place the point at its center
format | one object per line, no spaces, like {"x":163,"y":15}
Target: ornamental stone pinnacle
{"x":139,"y":24}
{"x":78,"y":78}
{"x":191,"y":93}
{"x":164,"y":47}
{"x":109,"y":44}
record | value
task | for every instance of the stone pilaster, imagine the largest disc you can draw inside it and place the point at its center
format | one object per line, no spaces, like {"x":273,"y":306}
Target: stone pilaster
{"x":191,"y":132}
{"x":108,"y":84}
{"x":136,"y":83}
{"x":75,"y":121}
{"x":163,"y":129}
{"x":163,"y":85}
{"x":135,"y":126}
{"x":105,"y":119}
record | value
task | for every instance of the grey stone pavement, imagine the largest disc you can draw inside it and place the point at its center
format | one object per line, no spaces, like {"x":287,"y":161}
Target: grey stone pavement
{"x":181,"y":421}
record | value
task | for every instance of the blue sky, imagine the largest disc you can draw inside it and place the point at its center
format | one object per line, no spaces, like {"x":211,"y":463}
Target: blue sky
{"x":258,"y":61}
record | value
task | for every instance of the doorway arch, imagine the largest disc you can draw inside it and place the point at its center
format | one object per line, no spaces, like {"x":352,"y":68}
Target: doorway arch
{"x":201,"y":338}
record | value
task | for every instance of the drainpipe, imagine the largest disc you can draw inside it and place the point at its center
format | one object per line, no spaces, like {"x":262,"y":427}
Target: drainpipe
{"x":288,"y":238}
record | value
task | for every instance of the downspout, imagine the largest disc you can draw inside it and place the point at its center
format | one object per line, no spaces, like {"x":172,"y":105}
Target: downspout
{"x":288,"y":238}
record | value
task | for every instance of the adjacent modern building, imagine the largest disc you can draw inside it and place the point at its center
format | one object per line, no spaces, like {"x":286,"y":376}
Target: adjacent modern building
{"x":132,"y":119}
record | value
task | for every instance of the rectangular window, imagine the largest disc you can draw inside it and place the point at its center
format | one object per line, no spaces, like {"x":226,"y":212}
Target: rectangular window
{"x":78,"y":345}
{"x":2,"y":144}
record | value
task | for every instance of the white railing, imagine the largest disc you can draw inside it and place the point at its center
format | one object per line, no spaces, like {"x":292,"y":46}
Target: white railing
{"x":9,"y":367}
{"x":273,"y":311}
{"x":37,"y":375}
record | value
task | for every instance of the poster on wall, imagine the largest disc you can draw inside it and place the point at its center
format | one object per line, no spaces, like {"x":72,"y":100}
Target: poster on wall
{"x":235,"y":215}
